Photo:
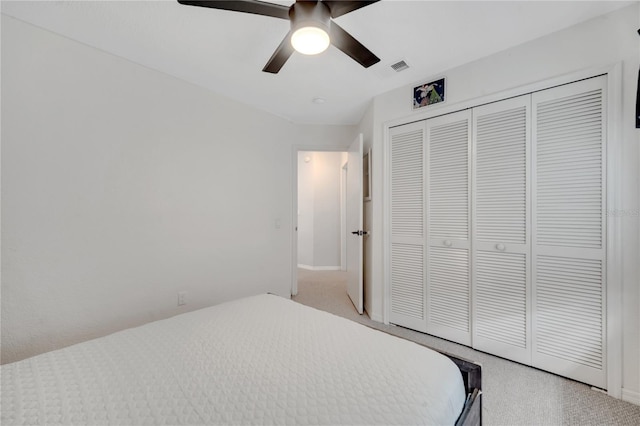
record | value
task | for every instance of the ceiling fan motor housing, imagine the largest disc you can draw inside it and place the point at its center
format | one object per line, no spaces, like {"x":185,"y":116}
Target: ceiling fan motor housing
{"x":310,"y":14}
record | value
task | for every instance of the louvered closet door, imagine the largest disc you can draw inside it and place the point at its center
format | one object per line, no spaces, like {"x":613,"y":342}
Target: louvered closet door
{"x":569,"y":231}
{"x":448,"y":266}
{"x":407,"y":226}
{"x":501,"y":243}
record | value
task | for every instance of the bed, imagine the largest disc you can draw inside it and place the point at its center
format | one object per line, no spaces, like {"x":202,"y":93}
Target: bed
{"x":258,"y":360}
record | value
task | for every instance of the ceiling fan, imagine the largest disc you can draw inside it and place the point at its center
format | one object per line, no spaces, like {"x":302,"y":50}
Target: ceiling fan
{"x":312,"y":27}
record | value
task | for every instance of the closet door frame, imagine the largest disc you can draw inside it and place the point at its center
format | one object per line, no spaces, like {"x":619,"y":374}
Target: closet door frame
{"x":614,"y":196}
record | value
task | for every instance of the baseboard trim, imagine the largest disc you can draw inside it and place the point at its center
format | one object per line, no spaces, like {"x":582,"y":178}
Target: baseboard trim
{"x":631,"y":396}
{"x":319,"y":268}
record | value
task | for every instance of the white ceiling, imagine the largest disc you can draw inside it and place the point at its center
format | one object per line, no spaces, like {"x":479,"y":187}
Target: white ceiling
{"x":225,"y":51}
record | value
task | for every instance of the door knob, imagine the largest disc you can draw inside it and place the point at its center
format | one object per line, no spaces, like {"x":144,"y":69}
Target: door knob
{"x":500,"y":247}
{"x":447,"y":243}
{"x":359,"y":232}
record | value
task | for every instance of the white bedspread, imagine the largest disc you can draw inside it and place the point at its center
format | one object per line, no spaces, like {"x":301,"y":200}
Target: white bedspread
{"x":259,"y":360}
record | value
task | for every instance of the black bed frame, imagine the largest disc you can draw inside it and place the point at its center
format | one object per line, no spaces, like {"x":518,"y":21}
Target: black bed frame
{"x":472,"y":375}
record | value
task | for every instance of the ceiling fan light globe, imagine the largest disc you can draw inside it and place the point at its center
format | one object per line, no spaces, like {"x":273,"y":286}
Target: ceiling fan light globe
{"x":310,"y":40}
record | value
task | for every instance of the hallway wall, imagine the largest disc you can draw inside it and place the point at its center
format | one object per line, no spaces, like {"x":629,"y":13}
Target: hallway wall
{"x":319,"y":209}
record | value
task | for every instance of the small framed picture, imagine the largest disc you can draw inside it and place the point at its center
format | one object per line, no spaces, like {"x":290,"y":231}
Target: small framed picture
{"x":366,"y":178}
{"x":428,"y":94}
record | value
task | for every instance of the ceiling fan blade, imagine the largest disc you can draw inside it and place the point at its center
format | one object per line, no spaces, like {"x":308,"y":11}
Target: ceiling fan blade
{"x":280,"y":56}
{"x":352,"y":47}
{"x":339,"y":8}
{"x":246,"y":6}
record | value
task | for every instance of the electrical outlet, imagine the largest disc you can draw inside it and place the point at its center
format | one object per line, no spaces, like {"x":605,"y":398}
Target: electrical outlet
{"x":182,"y":295}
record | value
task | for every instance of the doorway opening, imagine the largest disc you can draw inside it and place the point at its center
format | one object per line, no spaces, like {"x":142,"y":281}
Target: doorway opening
{"x":327,"y":238}
{"x":321,"y":223}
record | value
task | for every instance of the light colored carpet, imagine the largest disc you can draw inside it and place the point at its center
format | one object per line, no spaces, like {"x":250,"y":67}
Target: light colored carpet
{"x":513,"y":393}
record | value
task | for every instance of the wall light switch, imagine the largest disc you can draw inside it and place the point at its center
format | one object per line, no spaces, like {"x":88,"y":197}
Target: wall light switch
{"x":182,"y":298}
{"x":278,"y":223}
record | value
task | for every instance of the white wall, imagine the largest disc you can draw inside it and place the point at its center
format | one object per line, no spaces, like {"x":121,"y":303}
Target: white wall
{"x":305,"y":208}
{"x":328,"y":167}
{"x":319,"y":209}
{"x":122,"y":186}
{"x":602,"y":41}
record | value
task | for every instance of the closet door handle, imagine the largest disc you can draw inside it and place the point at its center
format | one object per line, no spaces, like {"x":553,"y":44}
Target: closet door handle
{"x":447,"y":243}
{"x":500,"y":247}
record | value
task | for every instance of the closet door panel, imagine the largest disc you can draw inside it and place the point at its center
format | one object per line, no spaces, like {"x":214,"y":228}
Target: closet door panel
{"x":569,"y":231}
{"x":449,"y":292}
{"x":448,"y":205}
{"x":408,"y":304}
{"x":500,"y":322}
{"x":501,"y":231}
{"x":407,"y":289}
{"x":569,"y":312}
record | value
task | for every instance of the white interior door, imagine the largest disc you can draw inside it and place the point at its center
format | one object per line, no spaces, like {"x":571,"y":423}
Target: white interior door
{"x":354,"y":224}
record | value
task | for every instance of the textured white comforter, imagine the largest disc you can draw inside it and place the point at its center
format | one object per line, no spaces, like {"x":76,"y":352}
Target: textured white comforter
{"x":259,"y":360}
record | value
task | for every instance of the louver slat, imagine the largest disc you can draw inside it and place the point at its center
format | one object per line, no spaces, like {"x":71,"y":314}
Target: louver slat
{"x":501,"y":322}
{"x":407,"y":307}
{"x":501,"y":176}
{"x":569,"y":230}
{"x":449,"y":288}
{"x":560,"y":161}
{"x":569,"y":319}
{"x":448,"y":262}
{"x":407,"y":188}
{"x":500,"y":317}
{"x":448,"y":175}
{"x":407,"y":291}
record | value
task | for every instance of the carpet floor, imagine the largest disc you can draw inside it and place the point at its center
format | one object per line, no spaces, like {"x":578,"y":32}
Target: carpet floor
{"x":513,"y":394}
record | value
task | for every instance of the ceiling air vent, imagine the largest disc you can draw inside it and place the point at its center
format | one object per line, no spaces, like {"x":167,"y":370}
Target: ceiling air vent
{"x":399,"y":66}
{"x":391,"y":69}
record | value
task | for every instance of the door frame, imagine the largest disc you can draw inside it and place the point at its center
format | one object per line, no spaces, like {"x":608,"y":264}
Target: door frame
{"x":614,"y":198}
{"x":294,"y":205}
{"x":343,"y":215}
